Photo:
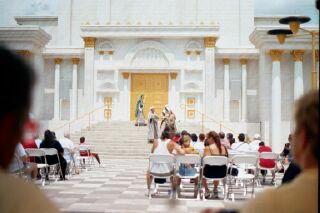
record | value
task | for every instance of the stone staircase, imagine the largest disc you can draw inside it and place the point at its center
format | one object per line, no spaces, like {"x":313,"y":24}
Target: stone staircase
{"x":123,"y":140}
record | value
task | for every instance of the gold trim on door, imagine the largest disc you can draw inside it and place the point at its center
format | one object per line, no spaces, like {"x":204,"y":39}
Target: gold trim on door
{"x":155,"y":89}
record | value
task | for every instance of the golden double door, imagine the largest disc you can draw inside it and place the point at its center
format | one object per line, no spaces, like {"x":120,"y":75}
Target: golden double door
{"x":155,"y":90}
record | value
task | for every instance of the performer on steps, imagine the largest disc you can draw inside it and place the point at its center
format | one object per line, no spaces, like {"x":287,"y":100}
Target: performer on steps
{"x":153,"y":130}
{"x":139,"y":112}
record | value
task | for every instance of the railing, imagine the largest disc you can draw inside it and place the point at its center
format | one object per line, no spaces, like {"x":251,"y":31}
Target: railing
{"x":205,"y":118}
{"x":87,"y":123}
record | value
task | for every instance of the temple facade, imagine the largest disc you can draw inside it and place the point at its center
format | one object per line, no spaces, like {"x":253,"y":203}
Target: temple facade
{"x":211,"y":61}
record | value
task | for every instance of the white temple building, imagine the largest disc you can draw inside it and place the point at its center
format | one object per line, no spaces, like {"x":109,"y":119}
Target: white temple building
{"x":209,"y":60}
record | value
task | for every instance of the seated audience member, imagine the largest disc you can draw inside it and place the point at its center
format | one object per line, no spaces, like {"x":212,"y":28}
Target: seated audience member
{"x":20,"y":163}
{"x":247,"y":139}
{"x":293,"y":169}
{"x":67,"y":143}
{"x":85,"y":153}
{"x":254,"y":145}
{"x":194,"y":139}
{"x":224,"y":141}
{"x":301,"y":195}
{"x":163,"y":146}
{"x":187,"y":169}
{"x":240,"y":146}
{"x":16,"y":195}
{"x":49,"y":141}
{"x":232,"y":141}
{"x":229,"y":136}
{"x":199,"y":146}
{"x":266,"y":163}
{"x":214,"y":148}
{"x":176,"y":138}
{"x":28,"y":141}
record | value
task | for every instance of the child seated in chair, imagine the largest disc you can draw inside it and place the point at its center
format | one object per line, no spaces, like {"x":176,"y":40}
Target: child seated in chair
{"x":188,"y":169}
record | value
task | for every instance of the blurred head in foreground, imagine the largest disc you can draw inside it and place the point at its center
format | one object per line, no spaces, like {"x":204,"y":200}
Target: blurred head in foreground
{"x":15,"y":92}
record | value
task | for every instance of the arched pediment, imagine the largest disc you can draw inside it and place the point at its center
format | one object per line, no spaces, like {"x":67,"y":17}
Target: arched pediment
{"x":106,"y":86}
{"x":150,"y":57}
{"x":106,"y":45}
{"x":149,"y":53}
{"x":191,"y":86}
{"x":193,"y":45}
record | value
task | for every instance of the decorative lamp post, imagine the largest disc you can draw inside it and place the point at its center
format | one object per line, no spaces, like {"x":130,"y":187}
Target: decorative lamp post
{"x":294,"y":23}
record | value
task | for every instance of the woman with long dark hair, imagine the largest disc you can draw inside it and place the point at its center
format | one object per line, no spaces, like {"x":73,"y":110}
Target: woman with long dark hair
{"x":214,"y":148}
{"x":50,"y":141}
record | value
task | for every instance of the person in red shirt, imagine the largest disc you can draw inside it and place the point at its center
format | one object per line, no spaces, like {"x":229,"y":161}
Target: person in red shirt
{"x":266,"y":163}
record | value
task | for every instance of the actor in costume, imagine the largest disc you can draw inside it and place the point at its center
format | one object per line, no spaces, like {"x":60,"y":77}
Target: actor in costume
{"x":153,"y":131}
{"x":139,"y":112}
{"x":164,"y":117}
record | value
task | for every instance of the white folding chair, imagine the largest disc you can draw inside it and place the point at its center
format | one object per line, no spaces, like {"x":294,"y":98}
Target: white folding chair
{"x":190,"y":159}
{"x":158,"y":160}
{"x":268,"y":156}
{"x":86,"y":156}
{"x":42,"y":166}
{"x":55,"y":168}
{"x":215,"y":161}
{"x":244,"y":163}
{"x":69,"y":155}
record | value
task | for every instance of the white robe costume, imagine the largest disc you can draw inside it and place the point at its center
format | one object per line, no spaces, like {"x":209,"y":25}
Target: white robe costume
{"x":153,"y":129}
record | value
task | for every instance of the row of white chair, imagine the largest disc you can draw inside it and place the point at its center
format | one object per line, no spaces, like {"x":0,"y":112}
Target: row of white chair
{"x":44,"y":167}
{"x":243,"y":161}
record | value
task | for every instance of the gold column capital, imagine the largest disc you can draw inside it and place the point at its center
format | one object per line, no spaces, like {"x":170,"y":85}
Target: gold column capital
{"x":198,"y":52}
{"x":57,"y":60}
{"x":188,"y":52}
{"x":110,"y":52}
{"x":226,"y":61}
{"x":75,"y":61}
{"x":276,"y":54}
{"x":297,"y":55}
{"x":173,"y":75}
{"x":243,"y":61}
{"x":24,"y":53}
{"x":89,"y":42}
{"x":317,"y":55}
{"x":210,"y":42}
{"x":101,"y":52}
{"x":125,"y":75}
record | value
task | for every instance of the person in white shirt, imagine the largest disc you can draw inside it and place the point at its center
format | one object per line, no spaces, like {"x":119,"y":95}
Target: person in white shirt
{"x":69,"y":151}
{"x":20,"y":162}
{"x":199,"y":145}
{"x":67,"y":143}
{"x":240,"y":146}
{"x":254,"y":145}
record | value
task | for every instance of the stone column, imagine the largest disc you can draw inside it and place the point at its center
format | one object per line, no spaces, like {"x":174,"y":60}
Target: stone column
{"x":74,"y":100}
{"x":174,"y":99}
{"x":89,"y":44}
{"x":226,"y":90}
{"x":209,"y":80}
{"x":188,"y":53}
{"x":276,"y":100}
{"x":101,"y":54}
{"x":56,"y":114}
{"x":198,"y":53}
{"x":110,"y":52}
{"x":297,"y":56}
{"x":126,"y":76}
{"x":317,"y":58}
{"x":244,"y":62}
